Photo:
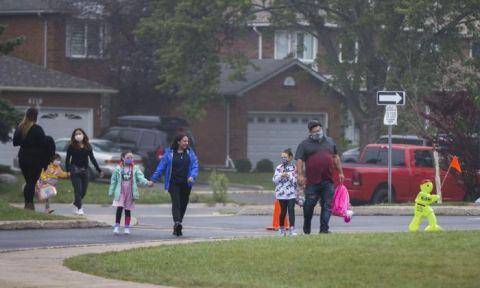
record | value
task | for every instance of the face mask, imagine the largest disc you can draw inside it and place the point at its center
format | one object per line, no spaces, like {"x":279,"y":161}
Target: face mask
{"x":57,"y":162}
{"x":317,"y":135}
{"x":128,"y":161}
{"x":285,"y":160}
{"x":79,"y":137}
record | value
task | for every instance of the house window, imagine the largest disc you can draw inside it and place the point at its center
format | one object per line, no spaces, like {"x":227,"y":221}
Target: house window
{"x":299,"y":45}
{"x":348,"y":52}
{"x":86,"y":38}
{"x":475,"y":50}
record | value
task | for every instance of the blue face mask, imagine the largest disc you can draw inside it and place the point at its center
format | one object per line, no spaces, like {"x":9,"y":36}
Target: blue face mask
{"x":128,"y":161}
{"x":285,"y":160}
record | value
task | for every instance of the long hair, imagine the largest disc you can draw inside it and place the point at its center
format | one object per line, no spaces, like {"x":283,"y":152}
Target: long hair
{"x":85,"y":142}
{"x":29,"y":119}
{"x":178,"y":138}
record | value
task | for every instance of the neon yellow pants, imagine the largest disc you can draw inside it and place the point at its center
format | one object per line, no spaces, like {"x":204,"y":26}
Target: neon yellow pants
{"x":424,"y":212}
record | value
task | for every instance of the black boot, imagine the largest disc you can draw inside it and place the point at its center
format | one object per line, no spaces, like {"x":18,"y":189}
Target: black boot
{"x":179,"y":230}
{"x":29,"y":206}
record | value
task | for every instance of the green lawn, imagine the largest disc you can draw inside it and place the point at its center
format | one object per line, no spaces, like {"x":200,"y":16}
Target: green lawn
{"x":9,"y":213}
{"x":97,"y":194}
{"x":261,"y":179}
{"x":448,"y":259}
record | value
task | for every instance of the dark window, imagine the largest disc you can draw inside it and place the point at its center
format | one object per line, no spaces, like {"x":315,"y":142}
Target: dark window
{"x":86,"y":38}
{"x":476,"y":50}
{"x":423,"y":158}
{"x":148,"y":139}
{"x":272,"y":120}
{"x":129,"y":136}
{"x":111,"y":135}
{"x":250,"y":119}
{"x":305,"y":120}
{"x":380,"y":157}
{"x":61,"y":146}
{"x":294,"y":120}
{"x":283,"y":120}
{"x":261,"y":119}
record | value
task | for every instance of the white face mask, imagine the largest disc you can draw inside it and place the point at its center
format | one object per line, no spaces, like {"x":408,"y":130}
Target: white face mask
{"x":57,"y":162}
{"x":79,"y":137}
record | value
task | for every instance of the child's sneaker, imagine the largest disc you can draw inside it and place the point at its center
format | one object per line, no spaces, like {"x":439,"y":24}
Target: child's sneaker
{"x":116,"y":230}
{"x":80,"y":212}
{"x":282,"y":232}
{"x":126,"y":231}
{"x":292,"y":231}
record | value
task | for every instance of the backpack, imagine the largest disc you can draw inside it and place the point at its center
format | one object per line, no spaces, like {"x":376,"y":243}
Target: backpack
{"x":341,"y":203}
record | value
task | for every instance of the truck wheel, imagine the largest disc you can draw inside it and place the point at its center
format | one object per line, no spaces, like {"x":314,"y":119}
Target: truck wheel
{"x":381,"y":195}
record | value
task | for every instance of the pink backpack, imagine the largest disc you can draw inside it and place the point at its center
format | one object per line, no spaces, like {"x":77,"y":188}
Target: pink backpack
{"x":341,"y":203}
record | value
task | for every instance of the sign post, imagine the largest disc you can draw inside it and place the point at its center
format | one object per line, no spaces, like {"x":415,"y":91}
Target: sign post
{"x":390,"y":99}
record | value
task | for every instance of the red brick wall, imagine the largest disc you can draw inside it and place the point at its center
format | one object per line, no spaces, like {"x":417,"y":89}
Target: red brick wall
{"x":68,"y":100}
{"x":32,"y":50}
{"x":306,"y":96}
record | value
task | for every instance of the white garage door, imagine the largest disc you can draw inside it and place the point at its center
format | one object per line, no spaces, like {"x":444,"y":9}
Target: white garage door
{"x":268,"y":134}
{"x":60,"y":122}
{"x":56,"y":122}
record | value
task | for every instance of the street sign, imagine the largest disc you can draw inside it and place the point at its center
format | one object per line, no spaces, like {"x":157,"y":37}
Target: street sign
{"x":391,"y":115}
{"x":391,"y":97}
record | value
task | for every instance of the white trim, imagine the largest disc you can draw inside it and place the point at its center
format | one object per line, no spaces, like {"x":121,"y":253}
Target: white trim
{"x":356,"y":50}
{"x":293,"y":113}
{"x":54,"y":89}
{"x":45,"y":42}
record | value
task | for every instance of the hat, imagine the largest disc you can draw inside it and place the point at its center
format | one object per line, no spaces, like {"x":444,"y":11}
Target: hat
{"x":313,"y":123}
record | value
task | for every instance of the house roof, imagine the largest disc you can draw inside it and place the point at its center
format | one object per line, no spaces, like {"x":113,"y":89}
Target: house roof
{"x":263,"y":70}
{"x":19,"y":75}
{"x":16,"y":7}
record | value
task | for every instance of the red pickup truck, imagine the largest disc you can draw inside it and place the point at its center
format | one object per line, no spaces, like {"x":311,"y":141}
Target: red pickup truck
{"x":367,"y":181}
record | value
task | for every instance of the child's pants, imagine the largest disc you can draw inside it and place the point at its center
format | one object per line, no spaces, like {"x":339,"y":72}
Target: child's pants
{"x":118,"y":216}
{"x":287,"y":204}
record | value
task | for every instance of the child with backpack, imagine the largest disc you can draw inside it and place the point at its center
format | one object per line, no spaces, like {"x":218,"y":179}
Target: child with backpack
{"x":285,"y":180}
{"x":124,"y":187}
{"x":45,"y":188}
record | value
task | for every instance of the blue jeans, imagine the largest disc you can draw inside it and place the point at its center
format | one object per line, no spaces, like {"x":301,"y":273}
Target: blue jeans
{"x":322,"y":191}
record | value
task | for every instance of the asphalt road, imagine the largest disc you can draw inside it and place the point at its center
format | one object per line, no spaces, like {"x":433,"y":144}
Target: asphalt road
{"x":198,"y":224}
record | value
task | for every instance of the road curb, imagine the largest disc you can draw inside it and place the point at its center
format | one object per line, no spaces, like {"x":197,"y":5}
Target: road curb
{"x":373,"y":210}
{"x":50,"y":224}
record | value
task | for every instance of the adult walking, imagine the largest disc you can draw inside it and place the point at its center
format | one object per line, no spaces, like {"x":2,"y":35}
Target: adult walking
{"x":180,"y":167}
{"x":79,"y":151}
{"x":318,"y":153}
{"x":32,"y":141}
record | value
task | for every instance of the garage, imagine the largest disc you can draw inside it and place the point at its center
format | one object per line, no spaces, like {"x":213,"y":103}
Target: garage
{"x":268,"y":134}
{"x":56,"y":122}
{"x":60,"y":122}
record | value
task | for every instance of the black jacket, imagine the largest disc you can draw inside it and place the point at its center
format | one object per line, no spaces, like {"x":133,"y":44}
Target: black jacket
{"x":33,"y":145}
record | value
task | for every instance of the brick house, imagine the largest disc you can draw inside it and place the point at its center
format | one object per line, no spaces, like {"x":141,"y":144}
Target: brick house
{"x":58,"y":68}
{"x":266,"y":112}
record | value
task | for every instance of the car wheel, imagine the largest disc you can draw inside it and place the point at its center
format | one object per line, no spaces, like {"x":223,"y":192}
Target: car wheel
{"x":381,"y":195}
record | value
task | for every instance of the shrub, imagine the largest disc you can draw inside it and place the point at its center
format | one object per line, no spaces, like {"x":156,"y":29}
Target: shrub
{"x":243,"y":165}
{"x":264,"y":165}
{"x":219,"y":184}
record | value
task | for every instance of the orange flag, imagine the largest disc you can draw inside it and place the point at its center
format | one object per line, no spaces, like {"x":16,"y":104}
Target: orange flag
{"x":456,"y":164}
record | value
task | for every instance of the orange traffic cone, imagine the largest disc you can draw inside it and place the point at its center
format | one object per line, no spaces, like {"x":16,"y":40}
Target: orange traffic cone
{"x":276,"y":217}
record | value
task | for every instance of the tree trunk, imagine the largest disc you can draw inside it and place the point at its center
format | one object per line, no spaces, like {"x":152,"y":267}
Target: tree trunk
{"x":369,"y":132}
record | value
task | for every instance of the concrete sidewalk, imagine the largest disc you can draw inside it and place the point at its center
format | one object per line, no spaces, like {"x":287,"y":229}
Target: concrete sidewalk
{"x":44,"y":267}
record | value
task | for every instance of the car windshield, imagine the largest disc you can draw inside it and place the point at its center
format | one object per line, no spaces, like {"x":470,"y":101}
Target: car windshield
{"x":105,"y":146}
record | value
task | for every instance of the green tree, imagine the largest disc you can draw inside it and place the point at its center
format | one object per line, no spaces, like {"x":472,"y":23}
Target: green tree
{"x":402,"y":44}
{"x":9,"y":117}
{"x":188,"y":35}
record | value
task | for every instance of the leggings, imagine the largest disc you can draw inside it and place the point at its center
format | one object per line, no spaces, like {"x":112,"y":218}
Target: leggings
{"x":180,"y":194}
{"x":287,"y":204}
{"x":80,"y":185}
{"x":31,"y":170}
{"x":118,"y":216}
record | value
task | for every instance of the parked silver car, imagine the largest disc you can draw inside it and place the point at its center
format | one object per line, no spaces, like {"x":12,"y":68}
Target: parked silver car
{"x":105,"y":151}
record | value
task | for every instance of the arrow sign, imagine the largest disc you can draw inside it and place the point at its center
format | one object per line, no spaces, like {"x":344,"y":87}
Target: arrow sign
{"x":391,"y":97}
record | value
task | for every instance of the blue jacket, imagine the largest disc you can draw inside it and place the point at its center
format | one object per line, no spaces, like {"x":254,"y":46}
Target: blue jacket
{"x":165,"y":167}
